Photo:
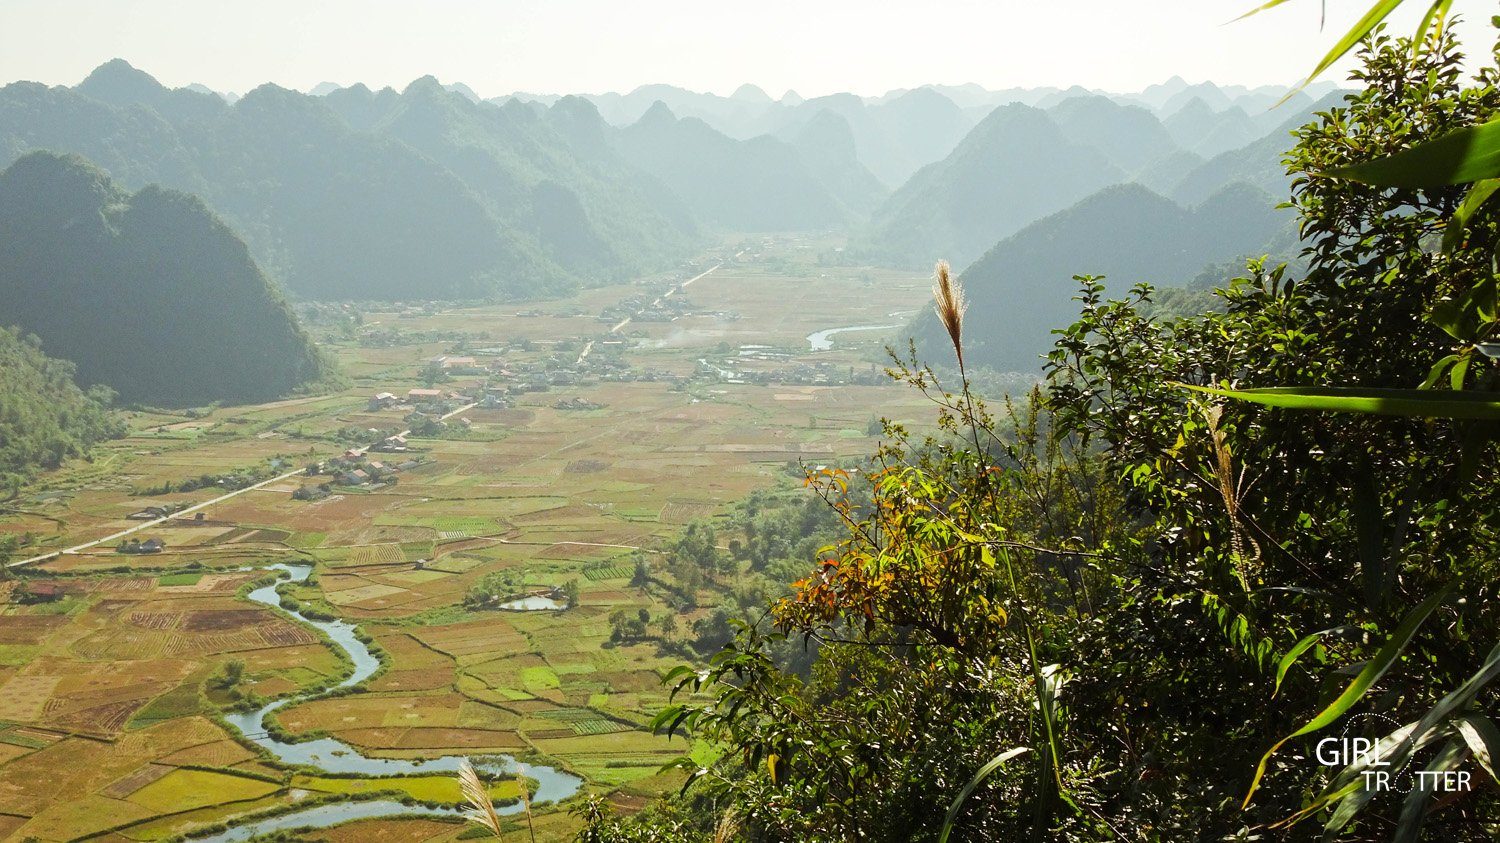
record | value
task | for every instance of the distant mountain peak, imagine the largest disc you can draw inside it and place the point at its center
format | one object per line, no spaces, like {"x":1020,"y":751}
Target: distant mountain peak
{"x":120,"y":82}
{"x":1195,"y":107}
{"x":924,"y":96}
{"x":657,"y":114}
{"x":464,"y":91}
{"x":323,"y":89}
{"x":751,"y":93}
{"x":424,"y":85}
{"x":792,"y":98}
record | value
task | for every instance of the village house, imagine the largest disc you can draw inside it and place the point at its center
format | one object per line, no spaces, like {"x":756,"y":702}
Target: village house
{"x":138,"y":546}
{"x":391,"y":445}
{"x":449,"y":362}
{"x":150,"y":513}
{"x":383,"y":401}
{"x":419,"y":396}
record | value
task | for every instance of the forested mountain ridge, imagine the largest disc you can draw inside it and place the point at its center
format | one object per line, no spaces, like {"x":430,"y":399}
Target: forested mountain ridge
{"x":1023,"y":287}
{"x":337,"y":202}
{"x":1258,"y":162}
{"x":1015,"y":167}
{"x":44,"y":417}
{"x":760,"y":184}
{"x":148,"y":293}
{"x":584,"y":206}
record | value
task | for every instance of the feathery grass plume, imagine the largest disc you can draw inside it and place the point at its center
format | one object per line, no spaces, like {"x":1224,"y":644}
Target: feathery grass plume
{"x":525,"y":800}
{"x":948,"y":298}
{"x":478,"y":796}
{"x":728,"y":825}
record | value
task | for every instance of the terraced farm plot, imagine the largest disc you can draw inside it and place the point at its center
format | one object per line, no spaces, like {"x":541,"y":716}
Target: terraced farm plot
{"x":491,"y":635}
{"x":612,"y":572}
{"x":425,"y":788}
{"x":22,"y":698}
{"x":184,"y":790}
{"x":377,"y":554}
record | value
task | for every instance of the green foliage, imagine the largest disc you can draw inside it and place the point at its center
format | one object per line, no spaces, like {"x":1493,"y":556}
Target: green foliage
{"x":44,"y":417}
{"x":1282,"y":523}
{"x":494,"y":588}
{"x":149,"y":294}
{"x":1122,"y":575}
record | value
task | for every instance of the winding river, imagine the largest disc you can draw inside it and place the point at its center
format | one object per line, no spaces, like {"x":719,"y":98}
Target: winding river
{"x":823,"y":340}
{"x":334,"y":756}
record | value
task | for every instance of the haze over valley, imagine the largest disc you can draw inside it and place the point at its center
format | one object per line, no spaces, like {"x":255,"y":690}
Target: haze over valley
{"x":511,"y":456}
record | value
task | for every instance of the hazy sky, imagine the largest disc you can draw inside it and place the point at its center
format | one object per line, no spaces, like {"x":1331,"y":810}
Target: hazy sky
{"x":587,"y":46}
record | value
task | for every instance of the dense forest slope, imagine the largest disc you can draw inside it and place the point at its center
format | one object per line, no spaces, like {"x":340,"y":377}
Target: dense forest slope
{"x":1023,"y":287}
{"x":149,"y":294}
{"x":44,"y":417}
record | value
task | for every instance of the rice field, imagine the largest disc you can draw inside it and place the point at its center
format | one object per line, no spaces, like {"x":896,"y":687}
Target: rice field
{"x":105,"y":694}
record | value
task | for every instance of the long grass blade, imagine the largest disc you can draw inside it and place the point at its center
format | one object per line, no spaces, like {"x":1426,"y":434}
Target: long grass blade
{"x":1363,"y":27}
{"x":1467,"y":155}
{"x":1258,"y":9}
{"x":1483,"y":739}
{"x":1433,"y":20}
{"x":1414,"y":809}
{"x":1411,"y":403}
{"x":978,"y":778}
{"x":1372,"y":672}
{"x":1302,"y":646}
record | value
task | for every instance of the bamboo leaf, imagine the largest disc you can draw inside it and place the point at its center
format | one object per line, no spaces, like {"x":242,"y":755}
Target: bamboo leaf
{"x":1471,"y":154}
{"x":1435,"y":374}
{"x":984,"y":772}
{"x":1414,"y":809}
{"x":1297,"y":650}
{"x":1411,"y":403}
{"x":1362,"y":683}
{"x":1436,"y":14}
{"x":1483,"y":740}
{"x":1364,"y":26}
{"x":1478,"y":194}
{"x":1258,"y":9}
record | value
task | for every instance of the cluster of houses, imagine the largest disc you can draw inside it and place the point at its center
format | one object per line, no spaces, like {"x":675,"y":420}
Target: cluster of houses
{"x":800,"y":374}
{"x":352,"y":469}
{"x":138,"y":546}
{"x":457,"y":365}
{"x":153,"y":513}
{"x":645,"y":308}
{"x":427,"y":400}
{"x":576,"y":403}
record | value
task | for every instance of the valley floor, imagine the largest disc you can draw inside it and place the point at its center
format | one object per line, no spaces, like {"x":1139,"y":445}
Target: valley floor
{"x":109,"y":715}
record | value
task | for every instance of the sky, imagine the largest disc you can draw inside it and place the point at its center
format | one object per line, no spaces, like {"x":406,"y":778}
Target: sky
{"x":591,"y":46}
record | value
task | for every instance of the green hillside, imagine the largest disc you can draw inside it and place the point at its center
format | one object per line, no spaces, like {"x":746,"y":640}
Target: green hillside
{"x":1015,"y":167}
{"x":44,"y":417}
{"x":149,"y":293}
{"x":1023,"y":287}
